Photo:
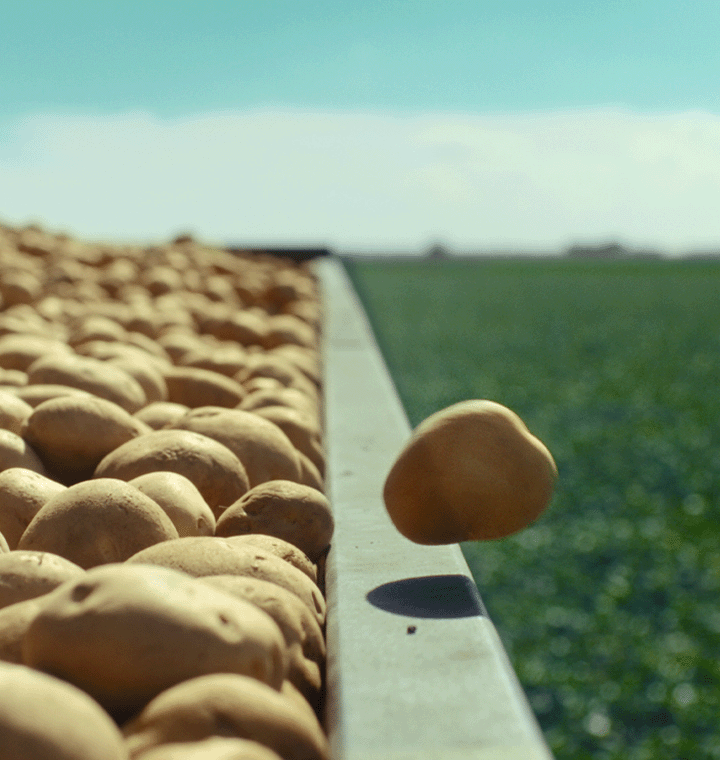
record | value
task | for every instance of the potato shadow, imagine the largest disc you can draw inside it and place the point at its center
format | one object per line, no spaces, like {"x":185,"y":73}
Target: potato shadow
{"x":429,"y":596}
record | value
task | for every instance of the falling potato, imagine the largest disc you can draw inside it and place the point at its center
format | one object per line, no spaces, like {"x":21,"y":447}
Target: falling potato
{"x":470,"y":472}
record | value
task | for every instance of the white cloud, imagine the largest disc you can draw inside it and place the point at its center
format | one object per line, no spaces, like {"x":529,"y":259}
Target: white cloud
{"x":359,"y":181}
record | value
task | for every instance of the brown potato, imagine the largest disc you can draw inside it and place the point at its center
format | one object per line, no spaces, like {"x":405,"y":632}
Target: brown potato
{"x":290,"y":397}
{"x":248,"y":328}
{"x":305,"y":359}
{"x":287,"y":329}
{"x":71,"y":434}
{"x":17,"y":452}
{"x":92,"y":375}
{"x":181,"y":501}
{"x":12,"y":378}
{"x":227,"y":359}
{"x":45,"y":718}
{"x":22,"y":493}
{"x":96,"y":522}
{"x":224,"y":704}
{"x":36,"y":394}
{"x":19,"y":351}
{"x":204,"y":555}
{"x":195,"y":387}
{"x":147,"y":374}
{"x":161,"y":413}
{"x":214,"y":469}
{"x":264,"y":450}
{"x":280,"y":548}
{"x":13,"y":412}
{"x":301,"y":427}
{"x":290,"y":511}
{"x":470,"y":472}
{"x":15,"y":619}
{"x":214,"y":748}
{"x":309,"y":474}
{"x":27,"y":574}
{"x":125,"y":633}
{"x":303,"y":636}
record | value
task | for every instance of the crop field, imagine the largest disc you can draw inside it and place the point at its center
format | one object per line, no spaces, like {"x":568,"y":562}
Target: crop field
{"x":608,"y":605}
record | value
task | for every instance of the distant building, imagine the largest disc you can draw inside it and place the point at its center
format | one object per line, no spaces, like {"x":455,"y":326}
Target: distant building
{"x":607,"y":251}
{"x":437,"y":251}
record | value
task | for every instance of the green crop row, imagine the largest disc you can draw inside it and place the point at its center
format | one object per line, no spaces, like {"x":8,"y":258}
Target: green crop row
{"x":608,"y":605}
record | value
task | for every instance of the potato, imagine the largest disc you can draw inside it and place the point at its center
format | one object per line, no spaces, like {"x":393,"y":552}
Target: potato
{"x":180,"y":500}
{"x":15,"y":619}
{"x":204,"y":555}
{"x":296,"y":513}
{"x":71,"y":434}
{"x":267,"y":364}
{"x":4,"y":546}
{"x":147,"y":374}
{"x":125,"y":633}
{"x":264,"y":450}
{"x":19,"y":351}
{"x":27,"y":574}
{"x":13,"y":412}
{"x":178,"y":343}
{"x":228,"y":359}
{"x":280,"y":548}
{"x":305,"y":359}
{"x":161,"y":413}
{"x":17,"y":452}
{"x":309,"y":474}
{"x":214,"y":469}
{"x":245,"y":327}
{"x":22,"y":493}
{"x":12,"y":378}
{"x":287,"y":329}
{"x":195,"y":387}
{"x":96,"y":522}
{"x":224,"y":704}
{"x":303,"y":636}
{"x":215,"y":748}
{"x":92,"y":375}
{"x":470,"y":472}
{"x":302,"y":428}
{"x":44,"y":718}
{"x":290,"y":397}
{"x":36,"y":394}
{"x":95,"y":327}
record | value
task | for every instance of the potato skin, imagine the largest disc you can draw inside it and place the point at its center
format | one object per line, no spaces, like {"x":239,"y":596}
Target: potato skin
{"x":72,"y":434}
{"x":15,"y":451}
{"x":205,"y":555}
{"x":45,"y":718}
{"x":27,"y":574}
{"x":265,"y":451}
{"x":22,"y":493}
{"x":92,"y":375}
{"x":214,"y":748}
{"x":291,"y":511}
{"x":214,"y":469}
{"x":224,"y":704}
{"x":470,"y":472}
{"x":124,"y":633}
{"x":181,"y":501}
{"x":97,"y":522}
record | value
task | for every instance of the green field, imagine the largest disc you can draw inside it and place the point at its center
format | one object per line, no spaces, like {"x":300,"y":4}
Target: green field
{"x":608,"y":605}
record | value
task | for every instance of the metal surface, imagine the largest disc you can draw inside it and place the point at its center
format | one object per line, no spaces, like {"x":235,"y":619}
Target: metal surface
{"x":415,"y":667}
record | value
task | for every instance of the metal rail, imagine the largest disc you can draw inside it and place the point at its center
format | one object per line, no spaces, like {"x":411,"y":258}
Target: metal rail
{"x":415,"y":666}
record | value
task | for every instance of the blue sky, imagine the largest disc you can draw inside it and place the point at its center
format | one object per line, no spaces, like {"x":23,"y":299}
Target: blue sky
{"x":365,"y":125}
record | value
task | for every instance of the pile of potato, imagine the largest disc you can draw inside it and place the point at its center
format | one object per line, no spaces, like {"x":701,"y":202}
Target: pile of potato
{"x":163,"y":525}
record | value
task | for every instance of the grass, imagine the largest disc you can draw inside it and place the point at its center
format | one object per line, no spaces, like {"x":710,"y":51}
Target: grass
{"x":608,"y":605}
